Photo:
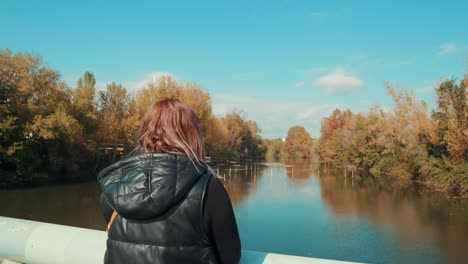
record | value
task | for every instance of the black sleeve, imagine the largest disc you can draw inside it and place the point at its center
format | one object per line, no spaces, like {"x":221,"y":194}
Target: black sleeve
{"x":106,"y":210}
{"x":220,"y":222}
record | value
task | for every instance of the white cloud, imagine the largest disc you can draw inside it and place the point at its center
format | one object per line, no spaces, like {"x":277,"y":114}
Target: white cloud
{"x":315,"y":111}
{"x":71,"y":80}
{"x":101,"y":86}
{"x":227,"y":103}
{"x":386,"y":108}
{"x":338,"y":82}
{"x":425,"y":90}
{"x":274,"y":117}
{"x":447,"y":49}
{"x":300,"y":84}
{"x":156,"y":75}
{"x":136,"y":85}
{"x":430,"y":89}
{"x":220,"y":109}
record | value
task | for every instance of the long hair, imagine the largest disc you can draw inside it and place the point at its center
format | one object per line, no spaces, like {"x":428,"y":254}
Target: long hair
{"x":170,"y":125}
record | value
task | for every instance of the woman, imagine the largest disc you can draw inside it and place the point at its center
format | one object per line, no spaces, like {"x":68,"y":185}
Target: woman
{"x":168,"y":206}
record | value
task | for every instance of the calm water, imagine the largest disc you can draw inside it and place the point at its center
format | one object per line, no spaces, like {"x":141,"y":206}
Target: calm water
{"x":296,"y":209}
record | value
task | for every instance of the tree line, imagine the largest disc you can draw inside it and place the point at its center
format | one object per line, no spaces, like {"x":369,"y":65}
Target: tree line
{"x":405,"y":144}
{"x":297,"y":145}
{"x":48,"y":129}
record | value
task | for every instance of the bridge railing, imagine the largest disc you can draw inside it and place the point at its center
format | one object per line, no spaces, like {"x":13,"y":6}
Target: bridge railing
{"x":24,"y":241}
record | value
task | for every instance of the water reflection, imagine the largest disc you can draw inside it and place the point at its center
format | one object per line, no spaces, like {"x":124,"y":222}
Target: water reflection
{"x":74,"y":205}
{"x":296,"y":208}
{"x":403,"y":226}
{"x":415,"y":218}
{"x":240,"y":181}
{"x":299,"y":171}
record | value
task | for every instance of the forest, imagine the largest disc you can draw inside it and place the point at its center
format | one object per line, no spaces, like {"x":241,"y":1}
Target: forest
{"x":51,"y":130}
{"x":406,"y":144}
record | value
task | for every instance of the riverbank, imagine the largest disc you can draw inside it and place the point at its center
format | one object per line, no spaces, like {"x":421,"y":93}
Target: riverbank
{"x":391,"y":183}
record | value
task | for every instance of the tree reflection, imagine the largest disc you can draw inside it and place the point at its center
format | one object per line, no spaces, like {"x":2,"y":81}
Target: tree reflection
{"x":413,"y":217}
{"x":241,"y":181}
{"x":296,"y":170}
{"x":73,"y":205}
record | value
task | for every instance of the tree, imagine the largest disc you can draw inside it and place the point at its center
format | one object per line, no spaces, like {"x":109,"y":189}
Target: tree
{"x":83,"y":108}
{"x":448,"y":161}
{"x":47,"y":127}
{"x":404,"y":144}
{"x":242,"y":138}
{"x":116,"y":108}
{"x":451,"y":121}
{"x":329,"y":125}
{"x":35,"y":120}
{"x":214,"y":133}
{"x":275,"y":149}
{"x":83,"y":103}
{"x":298,"y":143}
{"x":154,"y":90}
{"x":215,"y":138}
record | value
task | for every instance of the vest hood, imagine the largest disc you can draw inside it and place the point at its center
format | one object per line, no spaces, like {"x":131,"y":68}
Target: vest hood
{"x":147,"y":185}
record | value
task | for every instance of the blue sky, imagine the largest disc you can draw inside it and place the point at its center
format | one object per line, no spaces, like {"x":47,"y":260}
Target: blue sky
{"x":284,"y":63}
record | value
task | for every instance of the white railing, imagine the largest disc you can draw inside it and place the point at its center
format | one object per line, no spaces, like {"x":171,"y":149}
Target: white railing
{"x":23,"y":241}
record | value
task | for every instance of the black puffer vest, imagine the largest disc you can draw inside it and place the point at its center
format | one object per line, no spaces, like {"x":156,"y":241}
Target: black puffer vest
{"x":159,"y":198}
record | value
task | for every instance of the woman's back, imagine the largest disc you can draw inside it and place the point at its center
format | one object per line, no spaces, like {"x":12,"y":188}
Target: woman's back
{"x":159,"y":199}
{"x":159,"y":195}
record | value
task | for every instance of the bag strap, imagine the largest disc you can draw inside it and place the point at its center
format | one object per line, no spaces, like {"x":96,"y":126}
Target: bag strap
{"x":114,"y":215}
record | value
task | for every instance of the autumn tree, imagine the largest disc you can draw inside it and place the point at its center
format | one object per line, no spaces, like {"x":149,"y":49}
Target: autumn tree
{"x":154,"y":90}
{"x":116,"y":114}
{"x":448,"y":150}
{"x":451,"y":120}
{"x":83,"y":108}
{"x":405,"y":143}
{"x":36,"y":125}
{"x":298,"y":143}
{"x":329,"y":125}
{"x":275,"y":149}
{"x":47,"y":127}
{"x":215,"y":138}
{"x":243,"y":140}
{"x":83,"y":103}
{"x":214,"y":133}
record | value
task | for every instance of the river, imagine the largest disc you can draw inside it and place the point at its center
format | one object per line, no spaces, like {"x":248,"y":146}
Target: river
{"x":297,"y":209}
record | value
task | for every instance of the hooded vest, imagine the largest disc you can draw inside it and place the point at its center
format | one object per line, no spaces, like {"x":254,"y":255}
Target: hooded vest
{"x":159,"y":198}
